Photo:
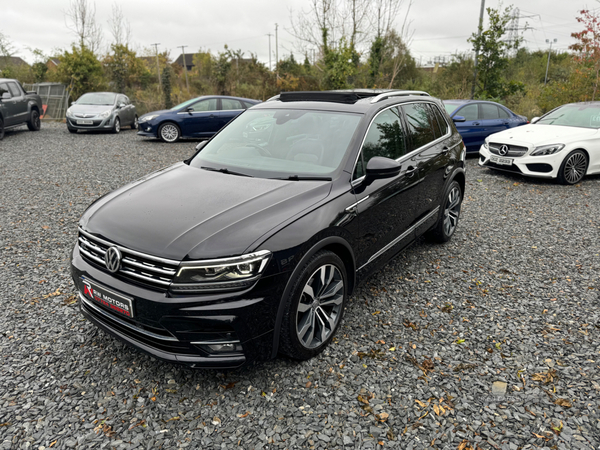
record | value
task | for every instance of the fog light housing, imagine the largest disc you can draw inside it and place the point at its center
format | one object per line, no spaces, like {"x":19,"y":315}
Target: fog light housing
{"x":219,"y":347}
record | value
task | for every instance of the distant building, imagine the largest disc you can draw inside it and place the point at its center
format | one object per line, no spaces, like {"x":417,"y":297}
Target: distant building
{"x":189,"y":61}
{"x":6,"y":61}
{"x":52,"y":63}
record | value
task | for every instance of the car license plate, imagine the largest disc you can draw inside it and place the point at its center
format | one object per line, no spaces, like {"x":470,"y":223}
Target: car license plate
{"x":107,"y":298}
{"x":85,"y":122}
{"x":502,"y":161}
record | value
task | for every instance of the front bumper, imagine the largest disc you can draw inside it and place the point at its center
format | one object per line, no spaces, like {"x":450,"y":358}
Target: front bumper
{"x":148,"y":129}
{"x":178,"y":329}
{"x":531,"y":166}
{"x":97,"y":123}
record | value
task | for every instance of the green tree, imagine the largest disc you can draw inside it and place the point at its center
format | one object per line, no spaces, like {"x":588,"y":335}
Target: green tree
{"x":167,"y":87}
{"x":492,"y":60}
{"x":124,"y":69}
{"x":587,"y":47}
{"x":80,"y":71}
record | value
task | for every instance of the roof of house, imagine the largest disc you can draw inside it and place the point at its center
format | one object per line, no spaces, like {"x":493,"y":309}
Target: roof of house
{"x":11,"y":61}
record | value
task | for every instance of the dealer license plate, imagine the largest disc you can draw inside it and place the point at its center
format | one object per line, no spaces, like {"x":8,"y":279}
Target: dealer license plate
{"x":502,"y":161}
{"x":85,"y":122}
{"x":107,"y":298}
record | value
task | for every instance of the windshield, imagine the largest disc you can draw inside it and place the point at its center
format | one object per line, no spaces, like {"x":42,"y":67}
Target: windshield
{"x":451,"y":107}
{"x":281,"y":143}
{"x":184,"y":104}
{"x":584,"y":116}
{"x":97,"y":98}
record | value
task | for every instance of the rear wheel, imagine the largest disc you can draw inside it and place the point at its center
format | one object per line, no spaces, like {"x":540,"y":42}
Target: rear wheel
{"x":169,"y":132}
{"x":134,"y":125}
{"x":573,"y":168}
{"x":446,"y":225}
{"x":34,"y":123}
{"x":315,"y":306}
{"x":1,"y":128}
{"x":117,"y":126}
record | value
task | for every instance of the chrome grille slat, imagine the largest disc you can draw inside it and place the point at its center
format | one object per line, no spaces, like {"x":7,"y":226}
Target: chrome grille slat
{"x":513,"y":150}
{"x":147,"y":269}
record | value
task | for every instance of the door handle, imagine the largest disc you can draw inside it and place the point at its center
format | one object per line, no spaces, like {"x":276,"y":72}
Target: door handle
{"x":410,"y":171}
{"x":476,"y":123}
{"x":445,"y":150}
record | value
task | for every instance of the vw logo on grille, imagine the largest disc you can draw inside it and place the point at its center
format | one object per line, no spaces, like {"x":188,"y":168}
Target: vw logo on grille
{"x":503,"y":150}
{"x":112,"y":259}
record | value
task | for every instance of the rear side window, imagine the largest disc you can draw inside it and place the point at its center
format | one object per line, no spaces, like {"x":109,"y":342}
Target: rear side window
{"x":489,"y":112}
{"x":503,"y":113}
{"x":228,"y":104}
{"x":441,"y":121}
{"x":418,"y":118}
{"x":205,"y":105}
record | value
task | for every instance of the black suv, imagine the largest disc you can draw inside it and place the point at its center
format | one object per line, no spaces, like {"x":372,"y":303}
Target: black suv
{"x":252,"y":246}
{"x":18,"y":107}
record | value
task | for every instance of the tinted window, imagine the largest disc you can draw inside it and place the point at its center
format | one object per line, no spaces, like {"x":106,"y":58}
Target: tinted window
{"x":503,"y":113}
{"x":14,"y":89}
{"x":489,"y":112}
{"x":229,"y":104}
{"x":469,"y":112}
{"x":247,"y":105}
{"x":205,"y":105}
{"x":440,"y":120}
{"x":450,"y":107}
{"x":385,"y":137}
{"x":3,"y":89}
{"x":418,"y":117}
{"x":122,"y":99}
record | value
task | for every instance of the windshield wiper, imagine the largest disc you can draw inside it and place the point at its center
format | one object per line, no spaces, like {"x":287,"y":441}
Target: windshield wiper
{"x":226,"y":170}
{"x":298,"y":178}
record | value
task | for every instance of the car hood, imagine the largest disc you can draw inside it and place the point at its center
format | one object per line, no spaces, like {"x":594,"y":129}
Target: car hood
{"x":188,"y":213}
{"x":539,"y":134}
{"x":154,"y":113}
{"x":90,"y":109}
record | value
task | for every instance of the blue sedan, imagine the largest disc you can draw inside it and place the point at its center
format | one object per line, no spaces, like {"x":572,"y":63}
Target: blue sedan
{"x":477,"y":119}
{"x":199,"y":117}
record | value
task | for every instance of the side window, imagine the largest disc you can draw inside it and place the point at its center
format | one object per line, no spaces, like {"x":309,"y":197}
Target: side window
{"x":503,"y":113}
{"x":441,"y":120}
{"x":14,"y":89}
{"x":228,"y":104}
{"x":489,"y":112}
{"x":122,"y":99}
{"x":419,"y":125}
{"x":469,"y":112}
{"x":359,"y":169}
{"x":4,"y":89}
{"x":205,"y":105}
{"x":247,"y":105}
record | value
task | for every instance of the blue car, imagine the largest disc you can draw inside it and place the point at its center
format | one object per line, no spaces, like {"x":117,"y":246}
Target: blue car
{"x":199,"y":117}
{"x":477,"y":119}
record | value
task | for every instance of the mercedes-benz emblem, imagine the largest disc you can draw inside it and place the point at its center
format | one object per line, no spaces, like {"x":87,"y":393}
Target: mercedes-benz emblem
{"x":503,"y":150}
{"x":112,"y":259}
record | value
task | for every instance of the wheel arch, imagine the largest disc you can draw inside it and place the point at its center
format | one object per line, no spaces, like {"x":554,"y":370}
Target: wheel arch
{"x":335,"y":244}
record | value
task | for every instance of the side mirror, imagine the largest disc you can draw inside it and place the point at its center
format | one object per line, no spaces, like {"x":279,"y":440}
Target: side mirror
{"x":379,"y":167}
{"x":73,"y":103}
{"x":200,"y":145}
{"x":189,"y":109}
{"x":459,"y":119}
{"x":6,"y":96}
{"x":121,"y":105}
{"x":535,"y":119}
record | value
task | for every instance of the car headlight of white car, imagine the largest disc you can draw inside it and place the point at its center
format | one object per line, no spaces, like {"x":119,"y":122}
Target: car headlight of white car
{"x":486,"y":145}
{"x":147,"y":118}
{"x":547,"y":149}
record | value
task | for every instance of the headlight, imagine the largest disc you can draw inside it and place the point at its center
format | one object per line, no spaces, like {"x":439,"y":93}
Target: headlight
{"x":105,"y":114}
{"x":486,"y":144}
{"x":69,"y":113}
{"x":147,"y":118}
{"x":220,"y":274}
{"x":547,"y":150}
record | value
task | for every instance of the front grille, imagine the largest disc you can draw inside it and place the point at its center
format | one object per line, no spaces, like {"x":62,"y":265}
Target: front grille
{"x":504,"y":167}
{"x":513,"y":150}
{"x":147,"y":270}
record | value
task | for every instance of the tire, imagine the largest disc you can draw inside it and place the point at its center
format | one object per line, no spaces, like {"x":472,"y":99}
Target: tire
{"x":34,"y":123}
{"x":314,"y":309}
{"x":72,"y":130}
{"x":1,"y":128}
{"x":117,"y":125}
{"x":134,"y":125}
{"x":573,"y":168}
{"x":169,"y":132}
{"x":446,"y":225}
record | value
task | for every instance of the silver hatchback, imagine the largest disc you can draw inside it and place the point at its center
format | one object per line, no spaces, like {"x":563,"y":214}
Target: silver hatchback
{"x":101,"y":111}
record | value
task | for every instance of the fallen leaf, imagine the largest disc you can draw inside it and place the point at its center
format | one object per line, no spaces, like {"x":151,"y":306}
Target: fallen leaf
{"x":382,"y":416}
{"x":380,"y":341}
{"x":241,"y":416}
{"x":216,"y":421}
{"x":563,"y":402}
{"x":436,"y":409}
{"x":420,"y":403}
{"x":308,"y":384}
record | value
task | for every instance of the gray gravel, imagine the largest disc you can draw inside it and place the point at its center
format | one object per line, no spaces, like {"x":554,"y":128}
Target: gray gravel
{"x":489,"y":341}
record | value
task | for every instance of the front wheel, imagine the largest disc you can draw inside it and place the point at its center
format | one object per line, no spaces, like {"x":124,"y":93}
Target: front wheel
{"x":34,"y":123}
{"x":315,"y":306}
{"x":117,"y":126}
{"x":446,"y":225}
{"x":1,"y":128}
{"x":573,"y":168}
{"x":169,"y":132}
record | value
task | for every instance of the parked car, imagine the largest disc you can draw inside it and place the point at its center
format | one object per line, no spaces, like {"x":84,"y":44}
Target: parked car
{"x":477,"y":119}
{"x":562,"y":144}
{"x":199,"y":117}
{"x":18,"y":107}
{"x":101,"y":111}
{"x":252,"y":246}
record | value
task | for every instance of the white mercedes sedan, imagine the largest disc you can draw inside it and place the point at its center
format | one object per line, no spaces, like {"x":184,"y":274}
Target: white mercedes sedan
{"x":563,"y":144}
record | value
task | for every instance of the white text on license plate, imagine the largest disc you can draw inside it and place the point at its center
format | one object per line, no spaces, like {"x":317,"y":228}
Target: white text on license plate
{"x":85,"y":122}
{"x":503,"y":161}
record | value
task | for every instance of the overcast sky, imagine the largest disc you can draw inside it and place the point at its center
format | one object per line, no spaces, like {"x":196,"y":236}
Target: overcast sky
{"x":440,"y":28}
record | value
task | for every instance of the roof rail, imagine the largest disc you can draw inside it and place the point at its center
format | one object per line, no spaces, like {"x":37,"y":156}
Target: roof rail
{"x":387,"y":95}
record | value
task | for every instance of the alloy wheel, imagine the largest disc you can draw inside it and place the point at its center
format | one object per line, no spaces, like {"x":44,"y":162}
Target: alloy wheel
{"x":452,"y":211}
{"x":575,"y":167}
{"x":169,"y":133}
{"x":320,"y":306}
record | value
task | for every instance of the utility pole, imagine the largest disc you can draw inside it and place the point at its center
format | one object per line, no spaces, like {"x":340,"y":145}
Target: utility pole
{"x":477,"y":48}
{"x":276,"y":51}
{"x":157,"y":66}
{"x":270,"y":34}
{"x":548,"y":64}
{"x":187,"y":85}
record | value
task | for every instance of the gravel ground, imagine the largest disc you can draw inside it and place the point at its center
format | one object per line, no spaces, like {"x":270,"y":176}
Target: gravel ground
{"x":489,"y":341}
